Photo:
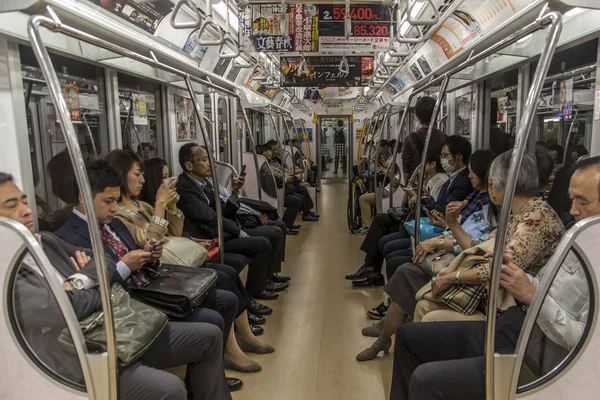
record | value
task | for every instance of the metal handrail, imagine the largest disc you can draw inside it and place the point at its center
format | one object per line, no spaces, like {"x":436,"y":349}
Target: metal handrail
{"x":278,"y":134}
{"x":88,"y":130}
{"x":228,"y":38}
{"x":425,"y":22}
{"x":569,"y":146}
{"x":68,"y":130}
{"x":554,"y":21}
{"x":197,"y":18}
{"x":209,"y":21}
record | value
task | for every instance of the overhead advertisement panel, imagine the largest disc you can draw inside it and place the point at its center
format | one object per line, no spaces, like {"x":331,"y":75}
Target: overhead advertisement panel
{"x":325,"y":71}
{"x":312,"y":28}
{"x":143,"y":14}
{"x":257,"y":86}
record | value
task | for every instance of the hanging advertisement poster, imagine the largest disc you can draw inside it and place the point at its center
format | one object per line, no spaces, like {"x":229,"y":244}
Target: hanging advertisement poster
{"x":397,"y":83}
{"x":562,"y":98}
{"x":194,"y":48}
{"x":369,"y":29}
{"x":71,"y":95}
{"x":325,"y":71}
{"x":145,"y":14}
{"x":457,"y":32}
{"x":186,"y":119}
{"x":490,"y":14}
{"x":258,"y":87}
{"x":140,"y":109}
{"x":263,"y":24}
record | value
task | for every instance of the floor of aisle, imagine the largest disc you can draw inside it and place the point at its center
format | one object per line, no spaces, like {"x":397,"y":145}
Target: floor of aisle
{"x":315,"y":327}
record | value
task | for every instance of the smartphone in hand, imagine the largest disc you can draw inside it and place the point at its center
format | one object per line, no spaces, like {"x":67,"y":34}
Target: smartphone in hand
{"x":243,"y":172}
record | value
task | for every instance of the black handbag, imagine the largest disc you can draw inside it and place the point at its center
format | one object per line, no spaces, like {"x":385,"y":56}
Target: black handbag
{"x":400,"y":214}
{"x":178,"y":290}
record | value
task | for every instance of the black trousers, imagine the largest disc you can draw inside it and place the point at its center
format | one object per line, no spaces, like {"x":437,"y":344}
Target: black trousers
{"x":196,"y":344}
{"x":445,"y":360}
{"x":258,"y":251}
{"x":307,"y":203}
{"x":229,"y":280}
{"x":293,"y":204}
{"x":276,"y":236}
{"x":382,"y":225}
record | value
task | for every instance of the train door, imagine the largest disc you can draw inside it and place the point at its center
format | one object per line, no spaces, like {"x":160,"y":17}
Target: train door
{"x":336,"y":154}
{"x":83,"y":89}
{"x":140,"y":116}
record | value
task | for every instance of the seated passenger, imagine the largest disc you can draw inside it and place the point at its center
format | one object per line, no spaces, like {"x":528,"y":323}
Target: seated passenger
{"x":578,"y":152}
{"x":197,"y":201}
{"x":456,"y":151}
{"x":299,"y":160}
{"x":144,"y":222}
{"x":533,"y":232}
{"x":412,"y":149}
{"x":468,"y":223}
{"x":445,"y":360}
{"x":198,"y":345}
{"x":293,"y":180}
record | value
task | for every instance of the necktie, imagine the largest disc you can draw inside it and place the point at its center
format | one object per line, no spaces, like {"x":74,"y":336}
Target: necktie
{"x":117,"y":245}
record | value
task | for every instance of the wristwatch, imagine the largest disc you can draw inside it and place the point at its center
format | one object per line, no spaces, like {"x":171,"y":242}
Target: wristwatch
{"x":77,"y":283}
{"x":441,"y":244}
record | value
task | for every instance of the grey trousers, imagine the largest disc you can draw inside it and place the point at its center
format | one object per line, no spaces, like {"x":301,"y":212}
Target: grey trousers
{"x":197,"y":344}
{"x":404,"y":285}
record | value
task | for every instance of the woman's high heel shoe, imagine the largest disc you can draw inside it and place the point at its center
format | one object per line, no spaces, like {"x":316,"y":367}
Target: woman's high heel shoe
{"x":371,"y":352}
{"x":373,"y":330}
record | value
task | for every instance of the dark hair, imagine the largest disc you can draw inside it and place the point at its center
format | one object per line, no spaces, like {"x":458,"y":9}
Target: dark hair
{"x":559,"y":149}
{"x":340,"y":122}
{"x":424,"y":109}
{"x":458,"y":145}
{"x":260,"y":149}
{"x":271,"y":144}
{"x":186,"y":153}
{"x":434,"y":155}
{"x":123,"y":161}
{"x":101,"y":175}
{"x":5,"y":178}
{"x":480,"y":162}
{"x":294,"y":141}
{"x":580,"y":150}
{"x":542,"y":143}
{"x":154,"y":179}
{"x":62,"y":177}
{"x":545,"y":165}
{"x":383,"y":143}
{"x":592,"y":162}
{"x":494,"y":111}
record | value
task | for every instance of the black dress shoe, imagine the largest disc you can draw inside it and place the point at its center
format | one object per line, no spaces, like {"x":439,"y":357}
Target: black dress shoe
{"x":276,"y":287}
{"x":314,"y":214}
{"x":292,"y":232}
{"x":256,"y":319}
{"x":309,"y":218}
{"x":234,"y":384}
{"x":376,"y":280}
{"x":278,"y":278}
{"x":266,"y":295}
{"x":296,"y":226}
{"x":256,"y":308}
{"x":361,"y":273}
{"x":257,"y":330}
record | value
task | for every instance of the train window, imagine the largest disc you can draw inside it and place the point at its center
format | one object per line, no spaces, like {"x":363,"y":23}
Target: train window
{"x":37,"y":324}
{"x":83,"y":90}
{"x":139,"y":106}
{"x":463,"y":114}
{"x":562,"y":325}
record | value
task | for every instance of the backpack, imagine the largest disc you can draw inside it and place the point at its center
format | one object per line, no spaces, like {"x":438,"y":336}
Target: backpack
{"x":357,"y":189}
{"x":339,"y":137}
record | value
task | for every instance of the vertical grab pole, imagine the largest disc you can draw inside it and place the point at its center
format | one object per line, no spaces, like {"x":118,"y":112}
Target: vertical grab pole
{"x":70,"y":135}
{"x":395,"y":152}
{"x":569,"y":144}
{"x":252,"y":142}
{"x":213,"y":167}
{"x":436,"y":110}
{"x":553,"y":19}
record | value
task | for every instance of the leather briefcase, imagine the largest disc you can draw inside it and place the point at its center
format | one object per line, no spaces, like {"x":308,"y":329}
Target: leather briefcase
{"x":178,"y":290}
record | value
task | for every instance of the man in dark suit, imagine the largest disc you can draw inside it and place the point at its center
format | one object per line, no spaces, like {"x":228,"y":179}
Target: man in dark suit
{"x":197,"y":203}
{"x":198,"y":345}
{"x":219,"y":308}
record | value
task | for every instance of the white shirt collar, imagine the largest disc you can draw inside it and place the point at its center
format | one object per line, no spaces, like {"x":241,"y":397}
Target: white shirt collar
{"x":80,"y":214}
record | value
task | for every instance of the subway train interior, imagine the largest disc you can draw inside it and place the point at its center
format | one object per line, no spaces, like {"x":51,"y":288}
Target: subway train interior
{"x":299,"y":200}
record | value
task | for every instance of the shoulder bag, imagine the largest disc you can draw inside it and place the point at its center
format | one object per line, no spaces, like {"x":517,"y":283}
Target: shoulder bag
{"x":435,"y":262}
{"x":183,"y":251}
{"x":137,"y":326}
{"x":177,"y":290}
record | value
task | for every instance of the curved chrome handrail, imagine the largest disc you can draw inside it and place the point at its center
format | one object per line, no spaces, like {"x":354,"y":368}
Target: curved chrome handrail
{"x":71,"y":139}
{"x":197,"y":18}
{"x":425,"y":22}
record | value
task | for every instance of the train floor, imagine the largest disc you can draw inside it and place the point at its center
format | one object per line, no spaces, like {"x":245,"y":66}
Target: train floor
{"x":315,"y":327}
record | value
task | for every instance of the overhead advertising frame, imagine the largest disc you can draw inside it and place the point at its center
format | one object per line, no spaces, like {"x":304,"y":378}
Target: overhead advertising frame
{"x":325,"y":71}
